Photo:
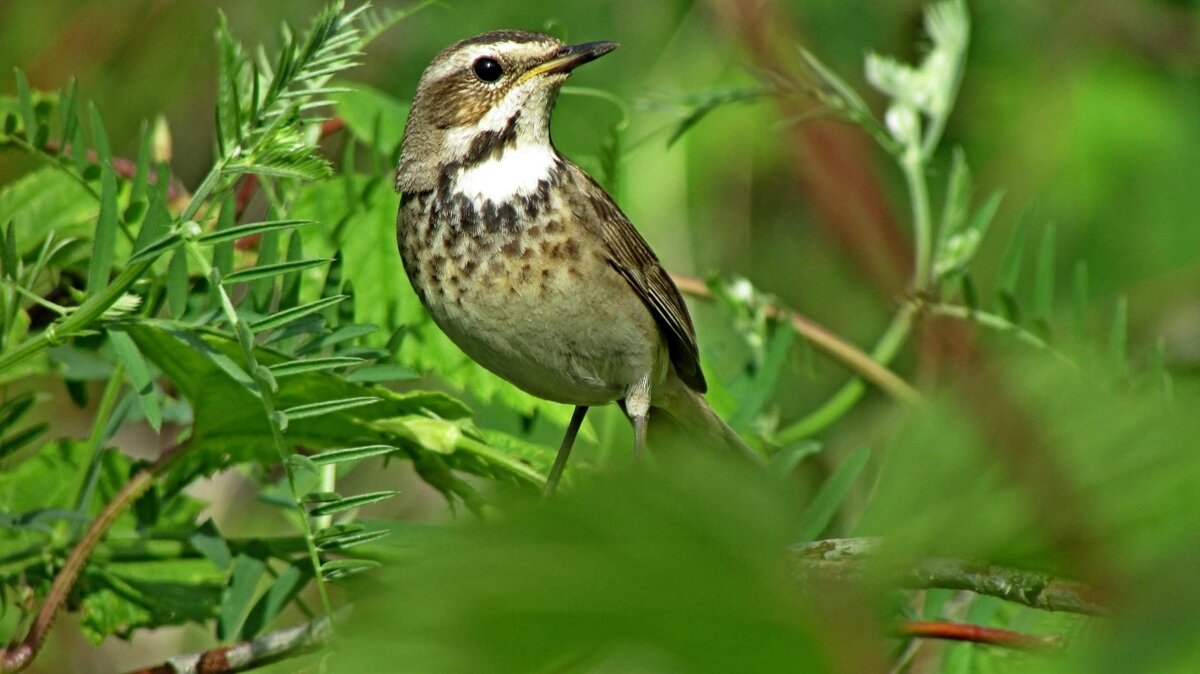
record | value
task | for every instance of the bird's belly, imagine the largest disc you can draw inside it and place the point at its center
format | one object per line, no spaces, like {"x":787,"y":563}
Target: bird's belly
{"x":565,"y":328}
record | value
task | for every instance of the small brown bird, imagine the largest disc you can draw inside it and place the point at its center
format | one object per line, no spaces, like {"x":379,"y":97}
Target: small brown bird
{"x":522,"y":258}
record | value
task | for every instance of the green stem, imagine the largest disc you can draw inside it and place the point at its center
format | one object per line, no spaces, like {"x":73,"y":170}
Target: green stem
{"x":918,"y":192}
{"x":267,"y":398}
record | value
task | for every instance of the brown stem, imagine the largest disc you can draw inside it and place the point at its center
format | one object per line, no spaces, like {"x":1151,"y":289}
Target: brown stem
{"x":820,"y":337}
{"x":933,"y":629}
{"x":271,"y":647}
{"x":19,"y":657}
{"x":845,"y":559}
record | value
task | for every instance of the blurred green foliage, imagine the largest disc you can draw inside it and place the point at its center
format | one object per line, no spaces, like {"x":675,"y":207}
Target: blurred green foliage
{"x":1065,"y":441}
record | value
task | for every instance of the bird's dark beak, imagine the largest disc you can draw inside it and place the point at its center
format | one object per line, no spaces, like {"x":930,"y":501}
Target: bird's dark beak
{"x":570,"y":57}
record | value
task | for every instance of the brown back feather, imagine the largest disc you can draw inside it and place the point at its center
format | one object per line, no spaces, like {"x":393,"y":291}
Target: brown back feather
{"x":632,"y":257}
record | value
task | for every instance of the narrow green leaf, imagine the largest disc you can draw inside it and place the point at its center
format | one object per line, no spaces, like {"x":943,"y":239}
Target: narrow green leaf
{"x":26,"y":103}
{"x":313,"y":365}
{"x":155,"y":248}
{"x":352,"y":502}
{"x":271,"y":270}
{"x":235,"y":601}
{"x":100,"y":137}
{"x":289,"y":292}
{"x":382,"y":372}
{"x":287,"y":585}
{"x":346,"y":541}
{"x":329,"y":407}
{"x":139,"y":375}
{"x":69,"y":113}
{"x":1043,"y":295}
{"x":262,"y":291}
{"x":1010,"y":267}
{"x":343,"y":334}
{"x":229,"y":234}
{"x":332,"y":456}
{"x":178,"y":283}
{"x":958,"y":195}
{"x":141,"y":173}
{"x":825,"y":505}
{"x":782,"y":339}
{"x":13,"y":409}
{"x":288,"y":315}
{"x":11,"y":444}
{"x":106,"y":232}
{"x":344,"y":568}
{"x":321,"y":497}
{"x":8,"y":252}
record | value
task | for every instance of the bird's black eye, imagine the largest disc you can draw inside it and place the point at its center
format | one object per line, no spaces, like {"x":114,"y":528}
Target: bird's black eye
{"x":487,"y":69}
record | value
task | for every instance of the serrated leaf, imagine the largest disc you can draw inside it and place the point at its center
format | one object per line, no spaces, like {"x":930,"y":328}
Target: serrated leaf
{"x":139,"y":376}
{"x":313,"y":365}
{"x":222,"y":235}
{"x":352,"y":502}
{"x":333,"y":456}
{"x":105,"y":241}
{"x":271,"y":270}
{"x":833,"y":493}
{"x":288,"y":315}
{"x":329,"y":406}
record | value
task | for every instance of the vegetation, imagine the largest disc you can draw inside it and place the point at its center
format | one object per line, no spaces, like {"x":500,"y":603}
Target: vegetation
{"x":222,"y":409}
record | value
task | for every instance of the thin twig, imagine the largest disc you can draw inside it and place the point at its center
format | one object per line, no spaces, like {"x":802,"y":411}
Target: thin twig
{"x":934,"y":629}
{"x":820,"y":337}
{"x":18,"y":657}
{"x":271,"y":647}
{"x":846,"y":559}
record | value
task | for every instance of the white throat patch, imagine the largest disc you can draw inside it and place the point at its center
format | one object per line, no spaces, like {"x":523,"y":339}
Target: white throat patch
{"x":516,"y":172}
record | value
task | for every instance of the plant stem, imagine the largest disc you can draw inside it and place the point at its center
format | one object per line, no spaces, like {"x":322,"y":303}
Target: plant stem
{"x":267,"y":398}
{"x":913,"y":167}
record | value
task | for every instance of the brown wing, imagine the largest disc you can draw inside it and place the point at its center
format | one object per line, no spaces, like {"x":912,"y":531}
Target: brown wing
{"x":632,"y":257}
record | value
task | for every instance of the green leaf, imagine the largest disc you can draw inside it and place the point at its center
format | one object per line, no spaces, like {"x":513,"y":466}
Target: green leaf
{"x":225,"y":234}
{"x":222,"y":255}
{"x":289,"y":293}
{"x":119,"y":598}
{"x":271,"y":270}
{"x":139,"y":376}
{"x":345,"y":454}
{"x":262,"y":291}
{"x":235,"y":601}
{"x":785,"y":461}
{"x":69,"y":113}
{"x":833,"y":492}
{"x":106,"y":232}
{"x":767,"y":377}
{"x":209,"y":542}
{"x":313,"y":365}
{"x":329,"y":407}
{"x":352,"y":502}
{"x":349,"y":540}
{"x":1079,"y":301}
{"x":100,"y":137}
{"x":344,"y":568}
{"x":286,"y":587}
{"x":26,"y":103}
{"x":12,"y":409}
{"x":382,"y":372}
{"x":288,"y":315}
{"x":157,"y":247}
{"x":362,"y":105}
{"x":178,"y":283}
{"x":11,"y":443}
{"x":47,"y":201}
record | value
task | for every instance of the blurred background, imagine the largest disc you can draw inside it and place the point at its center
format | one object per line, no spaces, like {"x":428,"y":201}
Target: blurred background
{"x":1086,"y":113}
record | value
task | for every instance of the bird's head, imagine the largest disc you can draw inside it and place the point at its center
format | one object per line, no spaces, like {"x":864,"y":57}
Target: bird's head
{"x":484,"y":94}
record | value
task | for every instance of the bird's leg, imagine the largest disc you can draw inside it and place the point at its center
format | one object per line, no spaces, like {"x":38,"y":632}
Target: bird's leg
{"x":637,"y":406}
{"x":564,"y":450}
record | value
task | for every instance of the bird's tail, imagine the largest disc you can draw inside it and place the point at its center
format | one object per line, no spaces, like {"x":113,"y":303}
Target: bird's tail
{"x":689,"y":420}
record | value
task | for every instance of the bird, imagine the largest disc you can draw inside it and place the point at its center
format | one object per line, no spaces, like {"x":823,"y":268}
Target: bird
{"x":524,"y":261}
